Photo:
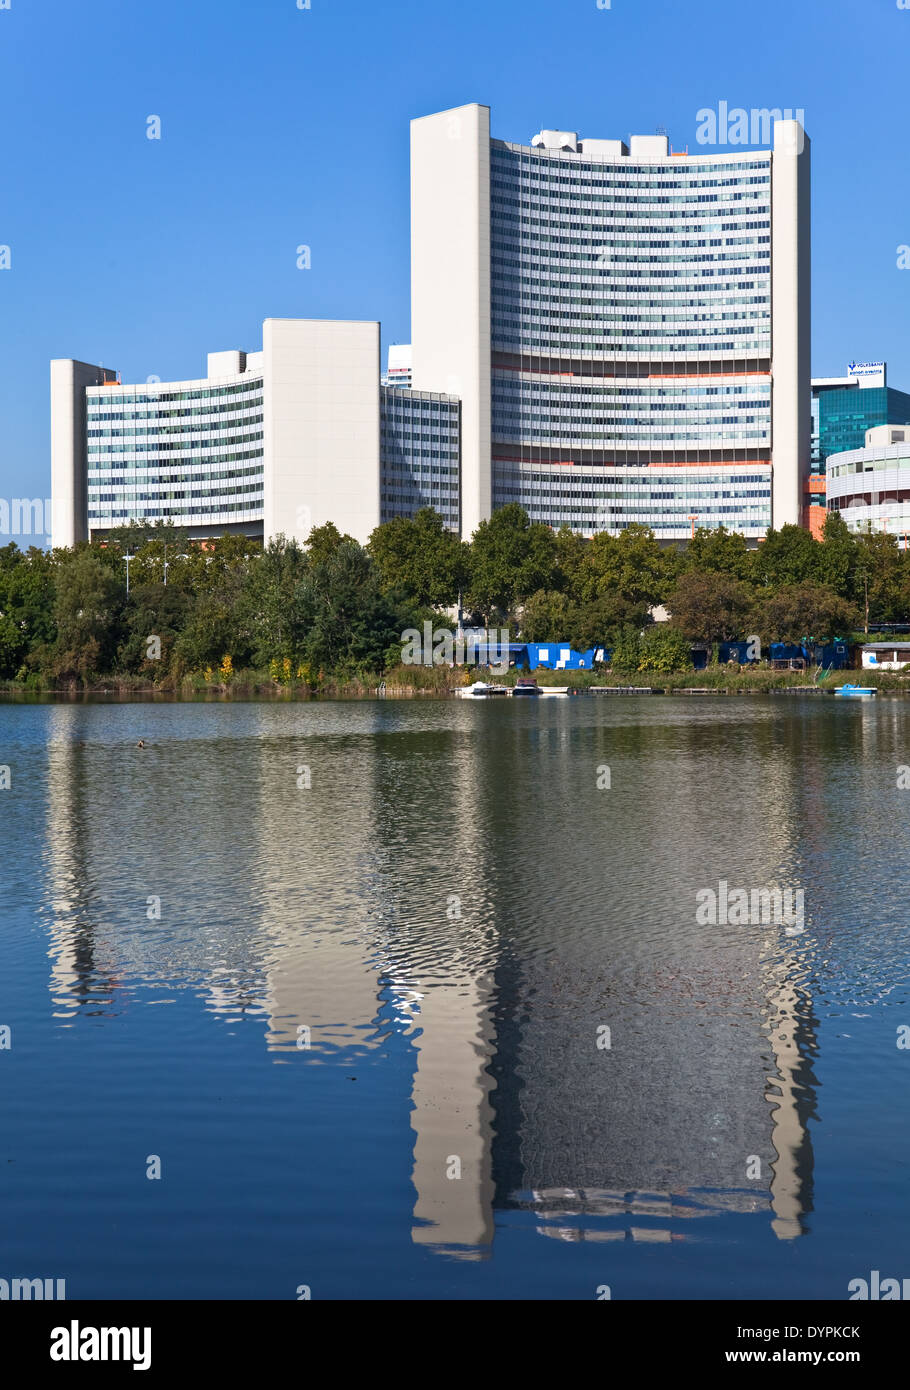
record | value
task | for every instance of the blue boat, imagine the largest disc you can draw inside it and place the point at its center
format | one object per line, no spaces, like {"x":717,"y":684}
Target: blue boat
{"x":856,"y":692}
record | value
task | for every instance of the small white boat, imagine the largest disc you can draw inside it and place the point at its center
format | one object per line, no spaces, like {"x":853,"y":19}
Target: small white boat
{"x":856,"y":692}
{"x":480,"y":690}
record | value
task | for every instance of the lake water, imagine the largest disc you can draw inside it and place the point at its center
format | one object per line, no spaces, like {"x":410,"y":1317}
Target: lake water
{"x":428,"y":1011}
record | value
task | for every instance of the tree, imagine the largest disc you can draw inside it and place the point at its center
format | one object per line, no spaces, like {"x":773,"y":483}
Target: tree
{"x":13,"y":647}
{"x":571,"y":549}
{"x":626,"y":649}
{"x":787,"y":556}
{"x":323,"y":541}
{"x":837,"y":557}
{"x":207,"y":563}
{"x":421,"y":558}
{"x":881,"y":577}
{"x":219,"y":621}
{"x":87,"y":609}
{"x":598,"y":623}
{"x":350,"y":624}
{"x":547,"y":616}
{"x":630,"y":566}
{"x":719,"y":551}
{"x":27,"y":598}
{"x":136,"y":534}
{"x":511,"y":558}
{"x":664,"y":648}
{"x":709,"y":607}
{"x":803,"y":613}
{"x":153,"y":610}
{"x":212,"y":632}
{"x":268,"y":602}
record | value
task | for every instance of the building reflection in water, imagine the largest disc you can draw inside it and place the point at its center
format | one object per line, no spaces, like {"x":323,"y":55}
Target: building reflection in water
{"x":467,"y":883}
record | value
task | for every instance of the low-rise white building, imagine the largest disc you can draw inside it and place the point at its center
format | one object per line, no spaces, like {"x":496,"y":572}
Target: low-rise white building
{"x":870,"y":487}
{"x":886,"y":656}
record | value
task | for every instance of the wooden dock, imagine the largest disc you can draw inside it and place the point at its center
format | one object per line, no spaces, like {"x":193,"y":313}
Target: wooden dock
{"x":620,"y":690}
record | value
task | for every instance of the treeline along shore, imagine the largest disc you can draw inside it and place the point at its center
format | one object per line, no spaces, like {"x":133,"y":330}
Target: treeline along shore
{"x":147,"y":609}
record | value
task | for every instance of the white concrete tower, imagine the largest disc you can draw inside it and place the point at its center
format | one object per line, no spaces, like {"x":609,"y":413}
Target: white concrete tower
{"x":791,"y":313}
{"x":69,"y":378}
{"x":450,"y":283}
{"x":320,"y":426}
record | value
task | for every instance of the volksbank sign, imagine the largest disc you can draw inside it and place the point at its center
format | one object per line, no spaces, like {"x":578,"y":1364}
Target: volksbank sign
{"x":869,"y":373}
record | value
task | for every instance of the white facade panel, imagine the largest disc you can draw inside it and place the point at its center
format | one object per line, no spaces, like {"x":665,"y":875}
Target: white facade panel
{"x":791,"y":320}
{"x":604,"y":149}
{"x":321,"y":426}
{"x":229,"y":363}
{"x":69,"y":520}
{"x":649,"y":147}
{"x":450,"y":282}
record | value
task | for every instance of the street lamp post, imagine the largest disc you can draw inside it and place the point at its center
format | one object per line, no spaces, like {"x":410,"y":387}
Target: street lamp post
{"x":168,"y":563}
{"x":693,"y":520}
{"x":127,"y":558}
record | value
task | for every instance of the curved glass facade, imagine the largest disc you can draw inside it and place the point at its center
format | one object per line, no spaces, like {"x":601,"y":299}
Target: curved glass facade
{"x":661,"y":259}
{"x":870,"y":488}
{"x":631,"y":327}
{"x":190,"y":453}
{"x":609,"y":499}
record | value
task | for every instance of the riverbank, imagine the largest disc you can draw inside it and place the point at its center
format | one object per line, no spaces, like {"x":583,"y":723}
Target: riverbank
{"x":413,"y":682}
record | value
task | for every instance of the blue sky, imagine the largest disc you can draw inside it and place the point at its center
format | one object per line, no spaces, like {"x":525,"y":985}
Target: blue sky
{"x":283,"y":126}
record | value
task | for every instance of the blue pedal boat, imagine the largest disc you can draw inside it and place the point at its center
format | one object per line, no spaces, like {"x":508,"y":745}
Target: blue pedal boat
{"x":856,"y":692}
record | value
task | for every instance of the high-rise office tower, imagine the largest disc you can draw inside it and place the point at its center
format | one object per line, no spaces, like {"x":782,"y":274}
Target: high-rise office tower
{"x":627,"y":327}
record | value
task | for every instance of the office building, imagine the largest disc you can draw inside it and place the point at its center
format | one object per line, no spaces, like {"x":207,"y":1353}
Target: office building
{"x":268,"y":443}
{"x":844,"y":408}
{"x":398,"y":365}
{"x":605,"y":333}
{"x":870,"y":487}
{"x":627,"y":327}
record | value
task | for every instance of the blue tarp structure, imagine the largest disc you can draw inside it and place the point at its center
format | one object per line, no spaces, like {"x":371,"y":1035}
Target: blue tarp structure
{"x":559,"y":656}
{"x":735,"y":651}
{"x":832,"y":654}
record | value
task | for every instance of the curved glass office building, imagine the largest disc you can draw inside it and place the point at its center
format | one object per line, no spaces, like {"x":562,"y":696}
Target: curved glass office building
{"x":189,"y":453}
{"x":605,"y":333}
{"x":627,"y":327}
{"x":267,"y":443}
